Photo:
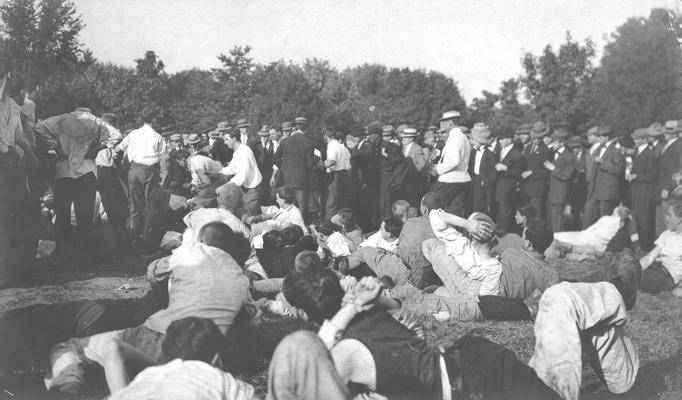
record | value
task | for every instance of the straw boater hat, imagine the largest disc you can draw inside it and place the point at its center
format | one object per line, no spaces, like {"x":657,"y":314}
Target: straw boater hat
{"x":176,"y":137}
{"x":287,"y":126}
{"x":223,"y":127}
{"x":655,"y":129}
{"x":593,"y":131}
{"x":450,"y":115}
{"x":480,"y":133}
{"x":264,"y":131}
{"x":671,"y":127}
{"x":193,"y":138}
{"x":242,"y":123}
{"x":387,"y":130}
{"x":301,"y":121}
{"x":642,"y":133}
{"x":539,"y":130}
{"x":409,"y":133}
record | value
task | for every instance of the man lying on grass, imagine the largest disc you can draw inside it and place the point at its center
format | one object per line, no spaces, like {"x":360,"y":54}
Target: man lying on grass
{"x":205,"y":281}
{"x":370,"y":351}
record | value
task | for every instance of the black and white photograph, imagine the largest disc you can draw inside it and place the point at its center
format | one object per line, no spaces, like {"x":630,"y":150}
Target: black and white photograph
{"x":341,"y":199}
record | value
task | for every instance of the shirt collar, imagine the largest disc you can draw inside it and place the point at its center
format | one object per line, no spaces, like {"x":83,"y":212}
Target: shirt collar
{"x":642,"y":147}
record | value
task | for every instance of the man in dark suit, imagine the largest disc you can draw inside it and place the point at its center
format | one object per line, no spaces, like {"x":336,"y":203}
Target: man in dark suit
{"x":243,"y":126}
{"x":591,"y":213}
{"x":563,"y":169}
{"x":511,"y":164}
{"x":294,"y":158}
{"x":536,"y":176}
{"x":482,"y":170}
{"x":264,"y":153}
{"x":413,"y":189}
{"x":366,"y":158}
{"x":522,"y":137}
{"x":578,"y":195}
{"x":642,"y":180}
{"x":610,"y":166}
{"x":668,"y":163}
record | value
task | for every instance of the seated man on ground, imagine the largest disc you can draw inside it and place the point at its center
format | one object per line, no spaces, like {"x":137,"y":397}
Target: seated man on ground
{"x":663,"y":265}
{"x":205,"y":282}
{"x":333,"y":246}
{"x":415,"y":231}
{"x":592,"y":241}
{"x":345,"y":219}
{"x":191,"y":352}
{"x":280,"y":216}
{"x":512,"y":240}
{"x":386,"y":237}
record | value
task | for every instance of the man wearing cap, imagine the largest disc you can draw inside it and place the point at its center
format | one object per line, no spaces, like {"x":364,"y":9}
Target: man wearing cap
{"x":642,"y":178}
{"x":244,"y":172}
{"x":264,"y":152}
{"x":294,"y":158}
{"x":536,"y":176}
{"x":77,"y":137}
{"x":563,"y":169}
{"x":108,"y":184}
{"x":243,"y":127}
{"x":509,"y":167}
{"x":144,"y":147}
{"x":610,"y":166}
{"x":482,"y":169}
{"x":668,"y":163}
{"x":387,"y":133}
{"x":178,"y":173}
{"x":452,"y":185}
{"x":413,"y":189}
{"x":218,"y":150}
{"x":287,"y":128}
{"x":522,"y":137}
{"x":591,"y":214}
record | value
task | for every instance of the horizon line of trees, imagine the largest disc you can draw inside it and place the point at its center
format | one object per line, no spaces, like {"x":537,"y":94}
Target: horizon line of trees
{"x":637,"y":81}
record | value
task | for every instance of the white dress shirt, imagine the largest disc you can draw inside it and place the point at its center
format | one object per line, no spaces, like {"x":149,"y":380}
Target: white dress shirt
{"x":505,"y":150}
{"x":143,"y":146}
{"x":477,"y":160}
{"x":340,"y":154}
{"x":105,"y":158}
{"x":406,"y":149}
{"x":454,"y":160}
{"x":201,"y":168}
{"x":377,"y":241}
{"x":244,"y":168}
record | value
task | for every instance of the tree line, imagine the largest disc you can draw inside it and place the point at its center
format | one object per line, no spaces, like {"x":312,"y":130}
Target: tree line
{"x":637,"y":81}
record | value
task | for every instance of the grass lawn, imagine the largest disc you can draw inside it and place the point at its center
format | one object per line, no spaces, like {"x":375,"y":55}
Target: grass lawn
{"x":655,"y":326}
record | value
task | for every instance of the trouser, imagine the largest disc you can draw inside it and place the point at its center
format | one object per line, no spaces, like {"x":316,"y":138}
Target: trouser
{"x":606,"y":206}
{"x":539,"y":203}
{"x":480,"y":201}
{"x":337,"y":192}
{"x":576,"y":316}
{"x":304,"y":375}
{"x":13,"y":200}
{"x":301,"y":199}
{"x":113,"y":197}
{"x":143,"y":182}
{"x":81,"y":193}
{"x":368,"y":203}
{"x":252,"y":200}
{"x":556,"y":216}
{"x":656,"y":279}
{"x":661,"y":211}
{"x":462,"y":290}
{"x":454,"y":196}
{"x":382,"y":263}
{"x":459,"y":308}
{"x":591,"y":214}
{"x":644,"y":212}
{"x":504,"y":214}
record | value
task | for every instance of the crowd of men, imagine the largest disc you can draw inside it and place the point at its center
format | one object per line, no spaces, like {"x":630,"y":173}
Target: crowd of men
{"x":273,"y":221}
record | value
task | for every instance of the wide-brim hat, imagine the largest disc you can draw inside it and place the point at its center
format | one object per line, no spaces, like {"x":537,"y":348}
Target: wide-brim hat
{"x":574,"y":141}
{"x":167,"y":131}
{"x":301,"y":121}
{"x":655,"y":129}
{"x":223,"y":126}
{"x":176,"y":137}
{"x":194,"y":138}
{"x":450,"y":115}
{"x":605,"y":131}
{"x":287,"y":126}
{"x":641,"y":133}
{"x":671,"y":127}
{"x":481,"y":134}
{"x":505,"y":132}
{"x":594,"y":131}
{"x":409,"y":133}
{"x":242,"y":123}
{"x":399,"y":130}
{"x":539,"y":130}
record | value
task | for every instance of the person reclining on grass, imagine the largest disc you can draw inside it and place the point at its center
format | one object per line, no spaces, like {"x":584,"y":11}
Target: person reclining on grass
{"x":359,"y":347}
{"x":205,"y":281}
{"x":191,"y":350}
{"x":663,"y":265}
{"x":277,"y":218}
{"x":345,"y":219}
{"x":387,"y":237}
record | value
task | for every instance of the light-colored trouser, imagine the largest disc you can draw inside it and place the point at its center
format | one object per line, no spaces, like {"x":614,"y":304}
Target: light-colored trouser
{"x":573,"y":314}
{"x":462,"y":292}
{"x":304,"y":375}
{"x":460,"y":308}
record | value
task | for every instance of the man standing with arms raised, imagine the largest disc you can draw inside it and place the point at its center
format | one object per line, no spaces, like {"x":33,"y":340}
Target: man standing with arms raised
{"x":294,"y":158}
{"x":453,"y":182}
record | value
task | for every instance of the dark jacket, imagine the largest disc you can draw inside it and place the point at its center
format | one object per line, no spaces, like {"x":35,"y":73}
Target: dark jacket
{"x":265,"y":157}
{"x":564,"y":171}
{"x":609,"y":173}
{"x":668,"y":163}
{"x":538,"y":183}
{"x":507,"y":180}
{"x":294,"y":158}
{"x":645,"y":166}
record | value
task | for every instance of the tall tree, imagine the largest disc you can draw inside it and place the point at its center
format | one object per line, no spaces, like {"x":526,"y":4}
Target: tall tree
{"x":640,"y":79}
{"x":556,"y":83}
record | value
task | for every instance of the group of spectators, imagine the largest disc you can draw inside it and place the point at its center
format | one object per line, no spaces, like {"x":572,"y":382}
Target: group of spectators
{"x":360,"y":238}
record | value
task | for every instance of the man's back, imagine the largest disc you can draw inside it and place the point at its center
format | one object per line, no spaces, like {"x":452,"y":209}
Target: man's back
{"x":143,"y":145}
{"x":295,"y":157}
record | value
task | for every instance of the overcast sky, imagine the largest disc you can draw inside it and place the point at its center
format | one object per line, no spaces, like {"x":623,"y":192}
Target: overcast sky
{"x":478,"y":43}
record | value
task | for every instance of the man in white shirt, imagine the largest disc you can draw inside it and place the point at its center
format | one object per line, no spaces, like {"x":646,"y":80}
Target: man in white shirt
{"x":144,"y":147}
{"x":338,"y":169}
{"x":453,"y":181}
{"x":386,"y":237}
{"x":244,"y":172}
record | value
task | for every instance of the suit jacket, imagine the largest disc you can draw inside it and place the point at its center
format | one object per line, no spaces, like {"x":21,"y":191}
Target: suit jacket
{"x":668,"y":163}
{"x":537,"y":184}
{"x":365,"y":158}
{"x":485,"y":180}
{"x":294,"y":158}
{"x":645,"y":166}
{"x":609,"y":173}
{"x":265,"y":158}
{"x":416,"y":156}
{"x":565,"y":167}
{"x":507,"y":180}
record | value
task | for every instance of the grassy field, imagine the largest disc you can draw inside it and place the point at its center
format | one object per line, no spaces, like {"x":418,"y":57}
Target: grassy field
{"x":655,"y":326}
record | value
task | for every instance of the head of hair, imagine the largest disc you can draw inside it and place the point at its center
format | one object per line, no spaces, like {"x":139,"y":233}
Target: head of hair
{"x":319,"y":293}
{"x":527,"y":210}
{"x":393,"y":226}
{"x":327,"y":228}
{"x":217,"y":234}
{"x":400,"y":209}
{"x":240,"y":249}
{"x":230,"y":196}
{"x":148,"y":115}
{"x":84,"y":98}
{"x":273,"y":240}
{"x":292,"y":234}
{"x":539,"y":234}
{"x":192,"y":338}
{"x":431,"y":202}
{"x":347,"y":218}
{"x":235,"y":134}
{"x":676,"y":206}
{"x":287,"y":194}
{"x":308,"y":260}
{"x":489,"y":239}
